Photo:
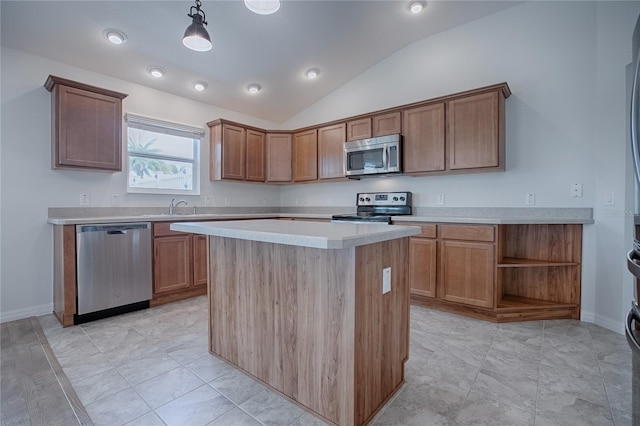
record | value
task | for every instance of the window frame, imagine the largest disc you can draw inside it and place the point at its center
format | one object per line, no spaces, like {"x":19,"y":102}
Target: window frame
{"x":168,"y":128}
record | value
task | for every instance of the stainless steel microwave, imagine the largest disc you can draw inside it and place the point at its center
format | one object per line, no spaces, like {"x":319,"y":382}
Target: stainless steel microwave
{"x":374,"y":156}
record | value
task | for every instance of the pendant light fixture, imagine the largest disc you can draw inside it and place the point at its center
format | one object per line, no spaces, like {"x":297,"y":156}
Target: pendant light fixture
{"x":196,"y":36}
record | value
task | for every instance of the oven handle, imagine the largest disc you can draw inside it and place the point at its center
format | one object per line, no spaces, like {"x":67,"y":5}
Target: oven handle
{"x":632,"y":266}
{"x":634,"y":314}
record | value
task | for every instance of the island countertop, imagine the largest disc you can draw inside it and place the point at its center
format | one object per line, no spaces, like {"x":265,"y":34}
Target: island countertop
{"x":323,"y":235}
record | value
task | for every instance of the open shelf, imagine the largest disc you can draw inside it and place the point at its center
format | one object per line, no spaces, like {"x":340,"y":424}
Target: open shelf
{"x":515,"y":262}
{"x":513,"y":303}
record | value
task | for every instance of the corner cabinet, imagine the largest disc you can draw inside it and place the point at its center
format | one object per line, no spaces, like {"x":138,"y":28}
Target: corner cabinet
{"x":86,"y":126}
{"x":279,"y":153}
{"x":498,"y":272}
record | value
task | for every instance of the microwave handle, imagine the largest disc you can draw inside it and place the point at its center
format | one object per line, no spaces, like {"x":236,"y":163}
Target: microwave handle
{"x":385,"y":157}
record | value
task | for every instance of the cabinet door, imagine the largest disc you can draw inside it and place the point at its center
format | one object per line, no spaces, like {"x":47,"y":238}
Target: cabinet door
{"x":474,"y":135}
{"x":279,"y":157}
{"x":199,"y":259}
{"x":423,"y":130}
{"x":386,"y":124}
{"x":468,"y":272}
{"x":359,"y":129}
{"x":88,"y":131}
{"x":305,"y":156}
{"x":233,"y":152}
{"x":255,"y":156}
{"x":331,"y":141}
{"x":172,"y":263}
{"x":422,"y":267}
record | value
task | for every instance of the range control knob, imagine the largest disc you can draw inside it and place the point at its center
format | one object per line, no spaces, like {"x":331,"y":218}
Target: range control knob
{"x":368,"y":199}
{"x":395,"y":198}
{"x":361,"y":199}
{"x":401,"y":198}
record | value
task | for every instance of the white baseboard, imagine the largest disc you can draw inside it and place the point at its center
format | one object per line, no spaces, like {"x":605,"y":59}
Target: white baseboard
{"x":32,"y":311}
{"x":608,"y":323}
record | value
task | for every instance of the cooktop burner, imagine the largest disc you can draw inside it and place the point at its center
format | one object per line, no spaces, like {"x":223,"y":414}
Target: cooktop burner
{"x":378,"y":207}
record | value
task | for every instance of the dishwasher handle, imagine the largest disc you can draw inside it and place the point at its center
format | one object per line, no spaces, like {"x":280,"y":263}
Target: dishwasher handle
{"x":114,"y":229}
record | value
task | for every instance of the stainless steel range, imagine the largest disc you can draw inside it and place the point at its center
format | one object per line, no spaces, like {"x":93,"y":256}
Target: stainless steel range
{"x":377,"y":207}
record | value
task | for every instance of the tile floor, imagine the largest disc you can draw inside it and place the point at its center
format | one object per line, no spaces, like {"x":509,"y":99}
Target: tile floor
{"x":152,"y":368}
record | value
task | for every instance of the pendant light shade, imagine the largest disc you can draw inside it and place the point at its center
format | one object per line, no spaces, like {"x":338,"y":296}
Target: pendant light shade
{"x":196,"y":36}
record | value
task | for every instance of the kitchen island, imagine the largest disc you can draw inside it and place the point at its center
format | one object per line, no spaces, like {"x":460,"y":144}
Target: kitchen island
{"x":302,"y":308}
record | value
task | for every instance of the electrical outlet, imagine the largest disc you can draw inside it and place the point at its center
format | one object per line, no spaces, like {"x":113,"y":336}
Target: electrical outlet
{"x":264,"y":201}
{"x":85,"y":200}
{"x":114,"y":200}
{"x":207,"y":200}
{"x":386,"y":280}
{"x":609,"y":198}
{"x":530,"y":198}
{"x":576,"y":190}
{"x":441,"y":199}
{"x":227,"y":201}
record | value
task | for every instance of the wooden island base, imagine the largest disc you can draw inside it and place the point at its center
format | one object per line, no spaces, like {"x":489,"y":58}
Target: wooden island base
{"x":313,"y":323}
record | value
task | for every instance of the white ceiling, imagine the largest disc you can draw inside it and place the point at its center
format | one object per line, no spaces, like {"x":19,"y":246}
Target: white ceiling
{"x":340,"y":38}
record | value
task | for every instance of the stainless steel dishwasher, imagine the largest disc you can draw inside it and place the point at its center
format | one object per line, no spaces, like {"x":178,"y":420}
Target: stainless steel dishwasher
{"x":114,"y":269}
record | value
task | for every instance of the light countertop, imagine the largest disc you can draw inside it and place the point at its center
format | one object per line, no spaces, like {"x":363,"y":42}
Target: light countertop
{"x":323,"y":235}
{"x":495,"y":216}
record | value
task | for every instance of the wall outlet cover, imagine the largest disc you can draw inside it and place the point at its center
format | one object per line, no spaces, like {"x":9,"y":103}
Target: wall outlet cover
{"x":386,"y":280}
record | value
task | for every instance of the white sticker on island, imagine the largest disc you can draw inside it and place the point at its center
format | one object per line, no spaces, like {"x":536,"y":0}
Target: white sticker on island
{"x":386,"y":280}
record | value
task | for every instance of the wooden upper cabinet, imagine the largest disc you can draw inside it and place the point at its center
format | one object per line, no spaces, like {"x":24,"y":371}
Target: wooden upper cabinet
{"x":255,"y":156}
{"x":386,"y":124}
{"x":475,"y":126}
{"x":359,"y":129}
{"x":279,"y":151}
{"x":228,"y":151}
{"x":305,"y":156}
{"x":86,"y":126}
{"x":331,"y":141}
{"x":423,"y":130}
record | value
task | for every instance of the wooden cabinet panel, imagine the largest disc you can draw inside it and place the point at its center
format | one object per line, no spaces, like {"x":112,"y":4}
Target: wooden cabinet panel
{"x":422,"y":266}
{"x":387,"y":124}
{"x":331,"y":141}
{"x":305,"y":156}
{"x":172,"y":263}
{"x":199,"y":259}
{"x":467,"y":272}
{"x":233,"y":152}
{"x":279,"y":152}
{"x":423,"y":132}
{"x":255,"y":156}
{"x":86,"y":126}
{"x":468,"y":232}
{"x":359,"y":129}
{"x":475,"y":132}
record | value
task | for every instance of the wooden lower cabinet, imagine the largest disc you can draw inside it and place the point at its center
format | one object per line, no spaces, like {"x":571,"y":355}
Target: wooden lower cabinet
{"x":422,"y":266}
{"x":179,"y":264}
{"x":499,"y":273}
{"x":467,"y":272}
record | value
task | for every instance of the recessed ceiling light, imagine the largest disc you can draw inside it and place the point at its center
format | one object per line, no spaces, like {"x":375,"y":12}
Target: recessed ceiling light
{"x":312,"y":73}
{"x":253,"y":88}
{"x":115,"y":36}
{"x":262,"y":7}
{"x":200,"y":86}
{"x":417,"y":6}
{"x":156,"y":72}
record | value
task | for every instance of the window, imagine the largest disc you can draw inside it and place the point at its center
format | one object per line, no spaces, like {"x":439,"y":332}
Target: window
{"x":163,"y":157}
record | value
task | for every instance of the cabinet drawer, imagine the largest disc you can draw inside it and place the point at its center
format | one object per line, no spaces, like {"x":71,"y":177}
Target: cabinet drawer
{"x":467,"y":232}
{"x":428,"y":230}
{"x":161,"y":229}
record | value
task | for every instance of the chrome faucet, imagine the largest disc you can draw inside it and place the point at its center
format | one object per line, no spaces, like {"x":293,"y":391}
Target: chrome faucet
{"x":172,"y":206}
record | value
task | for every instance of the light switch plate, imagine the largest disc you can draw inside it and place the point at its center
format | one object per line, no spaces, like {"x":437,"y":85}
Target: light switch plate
{"x":386,"y":280}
